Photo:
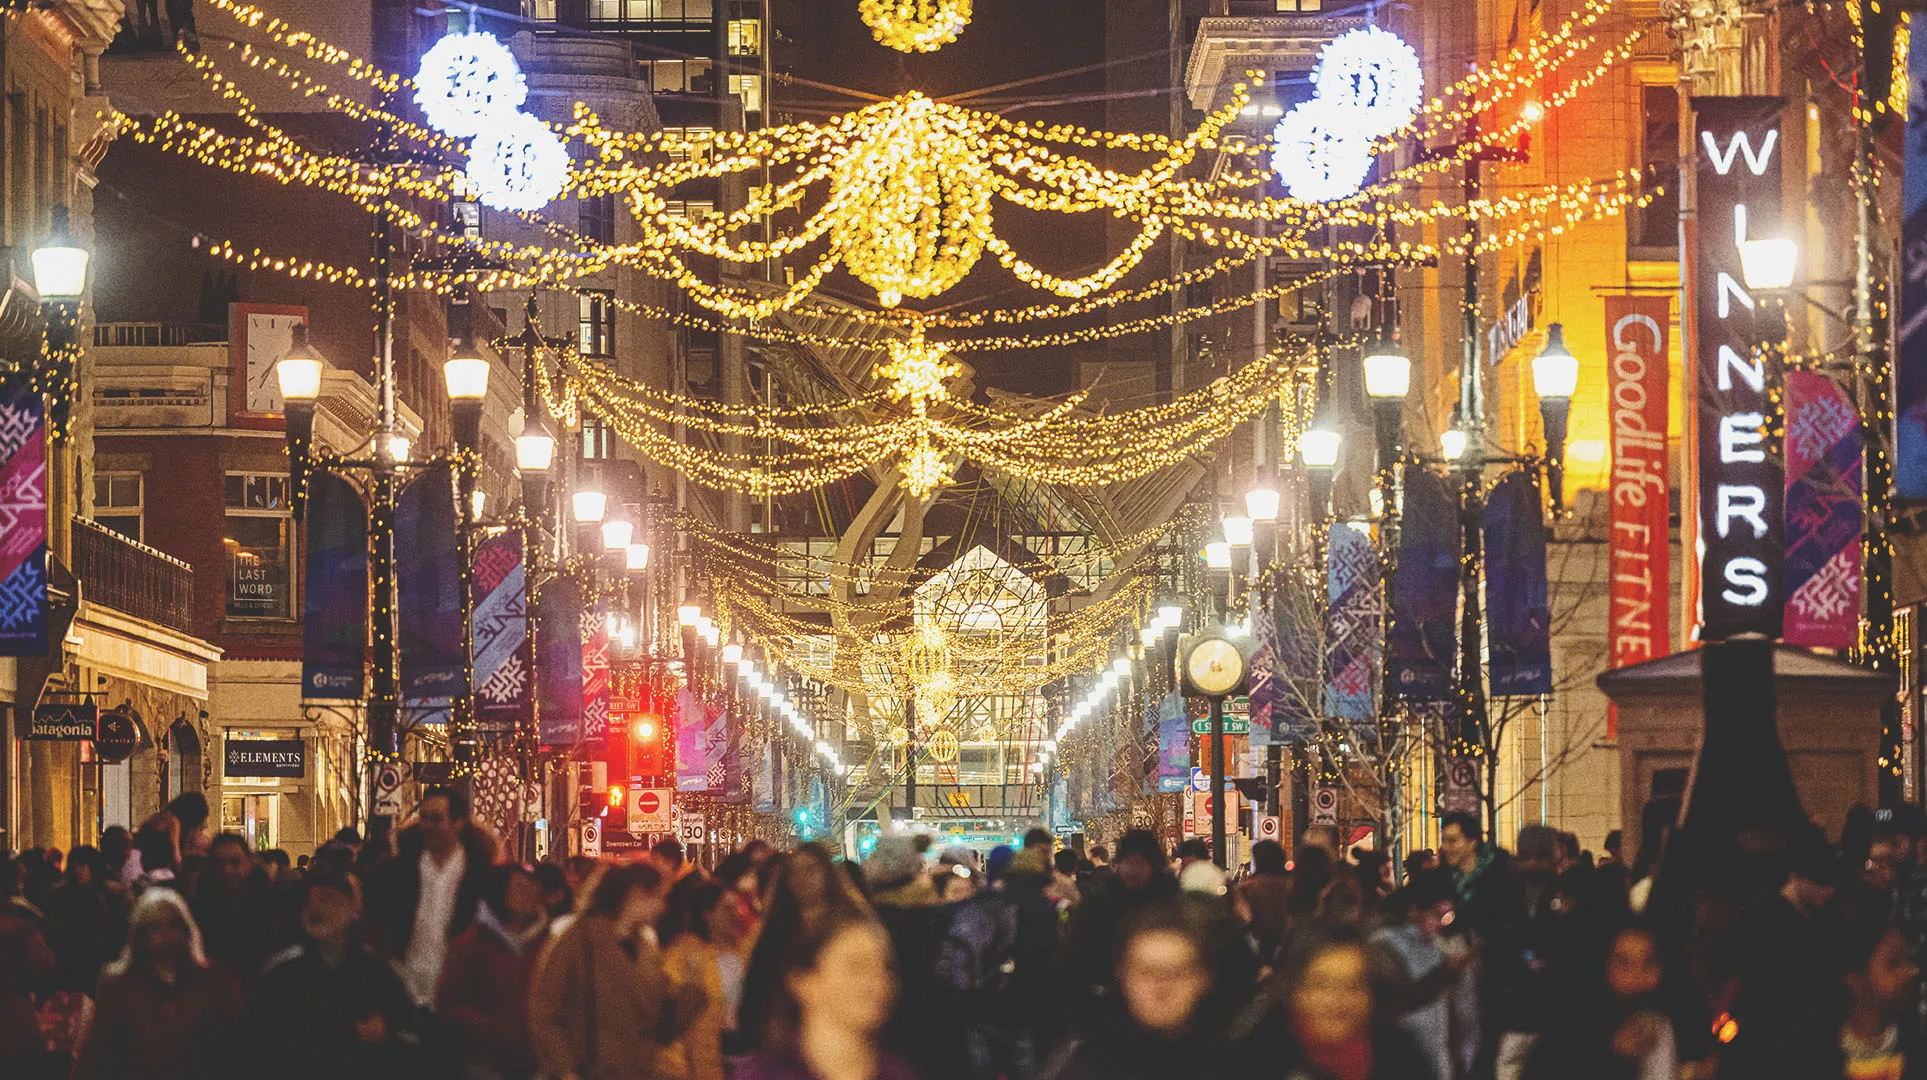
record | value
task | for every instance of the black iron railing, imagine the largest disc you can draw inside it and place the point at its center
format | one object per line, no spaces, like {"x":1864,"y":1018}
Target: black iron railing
{"x":133,"y":578}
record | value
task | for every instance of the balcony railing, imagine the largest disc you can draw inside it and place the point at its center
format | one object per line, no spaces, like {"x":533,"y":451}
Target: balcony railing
{"x":157,"y":334}
{"x":133,"y":578}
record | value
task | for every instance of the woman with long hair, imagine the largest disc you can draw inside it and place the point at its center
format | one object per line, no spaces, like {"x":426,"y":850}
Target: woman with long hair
{"x":833,"y":997}
{"x":805,"y":890}
{"x":705,"y":943}
{"x":162,"y":1010}
{"x":604,"y":1003}
{"x":1322,"y":1017}
{"x":1616,"y":1026}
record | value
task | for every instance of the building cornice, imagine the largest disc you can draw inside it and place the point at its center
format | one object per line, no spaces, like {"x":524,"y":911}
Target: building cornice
{"x":1226,"y":47}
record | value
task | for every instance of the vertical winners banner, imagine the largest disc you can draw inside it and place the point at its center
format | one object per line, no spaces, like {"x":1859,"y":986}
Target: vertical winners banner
{"x":23,"y":522}
{"x":500,"y":627}
{"x":1910,"y":362}
{"x":1353,"y":614}
{"x":1824,"y":513}
{"x":1638,"y":555}
{"x":559,"y":643}
{"x":1422,"y":643}
{"x":428,"y":585}
{"x":1741,"y":484}
{"x":334,"y":607}
{"x":1518,"y":605}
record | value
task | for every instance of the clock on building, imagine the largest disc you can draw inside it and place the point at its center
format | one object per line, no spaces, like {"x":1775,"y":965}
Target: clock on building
{"x":258,"y":334}
{"x":1213,"y":665}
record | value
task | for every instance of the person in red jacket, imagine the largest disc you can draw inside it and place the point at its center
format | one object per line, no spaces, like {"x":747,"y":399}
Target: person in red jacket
{"x":484,"y":990}
{"x":163,"y":1011}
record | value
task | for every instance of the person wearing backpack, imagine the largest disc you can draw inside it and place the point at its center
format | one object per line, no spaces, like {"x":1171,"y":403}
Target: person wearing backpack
{"x":995,"y":965}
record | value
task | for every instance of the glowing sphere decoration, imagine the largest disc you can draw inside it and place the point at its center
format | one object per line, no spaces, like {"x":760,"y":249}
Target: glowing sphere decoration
{"x":518,"y":163}
{"x":1319,"y":152}
{"x":909,"y":210}
{"x":1373,"y":73}
{"x":915,"y":25}
{"x":468,"y":82}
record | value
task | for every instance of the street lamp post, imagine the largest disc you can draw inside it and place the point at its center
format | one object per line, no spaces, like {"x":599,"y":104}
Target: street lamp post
{"x":466,"y":377}
{"x":60,"y":278}
{"x":1555,"y":375}
{"x":1388,"y":377}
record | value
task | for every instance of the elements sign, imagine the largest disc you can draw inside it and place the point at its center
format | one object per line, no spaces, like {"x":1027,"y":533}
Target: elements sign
{"x":64,"y":723}
{"x":265,"y":757}
{"x":1741,"y":485}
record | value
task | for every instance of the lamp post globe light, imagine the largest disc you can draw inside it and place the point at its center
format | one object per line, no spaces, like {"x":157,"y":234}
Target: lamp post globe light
{"x":1452,"y":443}
{"x":60,"y":266}
{"x":60,"y":263}
{"x":1769,"y":263}
{"x":1318,"y":447}
{"x":298,"y":372}
{"x":1555,"y":375}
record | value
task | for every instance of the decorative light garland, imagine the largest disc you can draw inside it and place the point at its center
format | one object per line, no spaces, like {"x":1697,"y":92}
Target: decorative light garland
{"x":915,"y":25}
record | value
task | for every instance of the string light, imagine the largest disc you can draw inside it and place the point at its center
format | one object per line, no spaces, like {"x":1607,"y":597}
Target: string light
{"x":915,"y":25}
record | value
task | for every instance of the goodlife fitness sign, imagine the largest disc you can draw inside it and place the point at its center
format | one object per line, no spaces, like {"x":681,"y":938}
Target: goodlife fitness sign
{"x":1741,"y":484}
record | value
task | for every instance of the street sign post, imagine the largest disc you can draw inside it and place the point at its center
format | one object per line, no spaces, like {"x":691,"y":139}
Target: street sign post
{"x":1232,"y":726}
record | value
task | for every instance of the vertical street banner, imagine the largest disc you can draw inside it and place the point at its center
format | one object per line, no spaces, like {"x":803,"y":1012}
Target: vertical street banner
{"x":1264,"y":675}
{"x":1421,"y":647}
{"x":23,"y":521}
{"x":1297,"y":683}
{"x":428,"y":584}
{"x":1518,"y":605}
{"x":716,"y":748}
{"x":735,"y":772}
{"x":558,"y":685}
{"x":692,"y":735}
{"x":1353,"y":615}
{"x":334,"y":607}
{"x":1174,"y":743}
{"x":500,"y":627}
{"x":1639,"y":623}
{"x":595,"y":675}
{"x":1741,"y":483}
{"x":1910,"y":359}
{"x":763,"y":789}
{"x":1824,"y":513}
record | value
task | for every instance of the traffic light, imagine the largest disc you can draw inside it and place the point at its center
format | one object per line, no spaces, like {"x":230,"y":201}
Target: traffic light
{"x":590,"y":779}
{"x":615,"y":812}
{"x":646,"y":733}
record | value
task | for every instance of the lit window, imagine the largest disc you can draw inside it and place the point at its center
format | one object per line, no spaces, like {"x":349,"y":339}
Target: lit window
{"x":750,"y":89}
{"x":598,"y":442}
{"x":597,"y":217}
{"x":689,"y":209}
{"x":117,"y":503}
{"x":745,"y":37}
{"x":596,"y":330}
{"x":260,"y":547}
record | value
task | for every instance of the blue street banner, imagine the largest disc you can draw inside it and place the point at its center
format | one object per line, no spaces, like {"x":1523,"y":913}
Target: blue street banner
{"x":692,"y":744}
{"x":1910,"y":364}
{"x":428,"y":583}
{"x":334,"y":607}
{"x":1824,"y":513}
{"x":501,"y":633}
{"x":559,"y":685}
{"x":1264,"y":673}
{"x":1174,"y":743}
{"x":595,"y":675}
{"x":1353,"y":612}
{"x":23,"y":522}
{"x":1518,"y":610}
{"x":1421,"y":651}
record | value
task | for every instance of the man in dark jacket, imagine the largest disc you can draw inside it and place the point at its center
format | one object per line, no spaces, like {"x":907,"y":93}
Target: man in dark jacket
{"x":426,"y":895}
{"x":328,"y":1006}
{"x":242,"y":918}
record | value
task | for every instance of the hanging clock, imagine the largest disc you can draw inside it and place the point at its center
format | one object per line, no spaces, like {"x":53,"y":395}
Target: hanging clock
{"x":1213,"y":665}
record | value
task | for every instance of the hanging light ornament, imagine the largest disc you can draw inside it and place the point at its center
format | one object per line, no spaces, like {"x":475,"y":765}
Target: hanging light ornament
{"x":467,"y":82}
{"x":1373,"y":73}
{"x":917,"y":371}
{"x":518,"y":163}
{"x":915,"y":25}
{"x":1316,"y":153}
{"x":909,"y":211}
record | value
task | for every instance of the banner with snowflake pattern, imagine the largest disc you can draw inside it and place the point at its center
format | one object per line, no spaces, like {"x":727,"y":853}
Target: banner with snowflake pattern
{"x":1264,"y":674}
{"x":501,"y":634}
{"x":595,"y":676}
{"x":716,"y":748}
{"x":1824,"y":513}
{"x":23,"y":522}
{"x":692,"y":744}
{"x":1353,"y":616}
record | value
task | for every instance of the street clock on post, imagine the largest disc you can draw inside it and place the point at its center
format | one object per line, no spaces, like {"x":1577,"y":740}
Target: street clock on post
{"x":1212,"y":665}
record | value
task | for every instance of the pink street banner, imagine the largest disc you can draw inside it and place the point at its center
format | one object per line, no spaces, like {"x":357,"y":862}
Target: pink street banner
{"x":23,"y":522}
{"x":595,"y":675}
{"x":501,"y":633}
{"x":1824,"y":513}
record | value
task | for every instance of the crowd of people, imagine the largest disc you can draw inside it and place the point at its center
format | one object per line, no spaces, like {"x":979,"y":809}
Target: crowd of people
{"x":170,"y":953}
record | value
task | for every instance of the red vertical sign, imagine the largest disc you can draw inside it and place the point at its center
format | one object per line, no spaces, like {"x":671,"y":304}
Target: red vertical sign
{"x":1637,"y":549}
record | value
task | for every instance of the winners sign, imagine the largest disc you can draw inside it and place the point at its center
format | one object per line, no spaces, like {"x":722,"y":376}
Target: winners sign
{"x":1741,"y":484}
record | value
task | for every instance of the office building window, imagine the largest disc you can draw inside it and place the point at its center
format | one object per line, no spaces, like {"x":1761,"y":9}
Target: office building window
{"x":117,"y":503}
{"x":689,"y":209}
{"x":750,"y":89}
{"x":598,"y":442}
{"x":597,"y":217}
{"x":745,"y":37}
{"x":596,"y":331}
{"x":260,"y":547}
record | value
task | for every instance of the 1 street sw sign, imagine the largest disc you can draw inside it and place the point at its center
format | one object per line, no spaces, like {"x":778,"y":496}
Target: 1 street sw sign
{"x":1233,"y":725}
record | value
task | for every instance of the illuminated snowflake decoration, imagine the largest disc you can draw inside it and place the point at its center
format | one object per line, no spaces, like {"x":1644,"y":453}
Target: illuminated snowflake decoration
{"x":468,"y":83}
{"x":1374,"y":73}
{"x":917,"y":370}
{"x":518,"y":164}
{"x":1318,"y":154}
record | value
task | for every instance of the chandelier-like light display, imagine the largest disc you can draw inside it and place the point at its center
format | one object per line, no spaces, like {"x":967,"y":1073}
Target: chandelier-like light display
{"x":915,"y":25}
{"x":518,"y":163}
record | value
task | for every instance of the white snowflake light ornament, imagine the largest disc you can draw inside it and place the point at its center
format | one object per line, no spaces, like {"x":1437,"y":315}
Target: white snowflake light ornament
{"x":468,"y":82}
{"x":519,"y":163}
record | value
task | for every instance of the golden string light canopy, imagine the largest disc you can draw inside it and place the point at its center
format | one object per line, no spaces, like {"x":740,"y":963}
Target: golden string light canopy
{"x":915,"y":25}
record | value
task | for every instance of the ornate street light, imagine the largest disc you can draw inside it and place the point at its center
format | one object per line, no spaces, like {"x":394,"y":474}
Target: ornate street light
{"x":466,"y":375}
{"x":1769,"y":264}
{"x":589,"y":506}
{"x":1261,"y":502}
{"x":1318,"y":447}
{"x":298,"y":372}
{"x":616,"y":534}
{"x":1388,"y":377}
{"x":636,"y":557}
{"x":60,"y":263}
{"x":1555,"y":375}
{"x":1452,"y":443}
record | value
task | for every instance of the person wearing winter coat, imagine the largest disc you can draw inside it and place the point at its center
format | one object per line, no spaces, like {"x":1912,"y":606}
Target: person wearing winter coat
{"x":162,"y":1010}
{"x":329,"y":1006}
{"x":706,"y":946}
{"x":484,"y":992}
{"x":27,"y":967}
{"x":604,"y":1005}
{"x":425,"y":896}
